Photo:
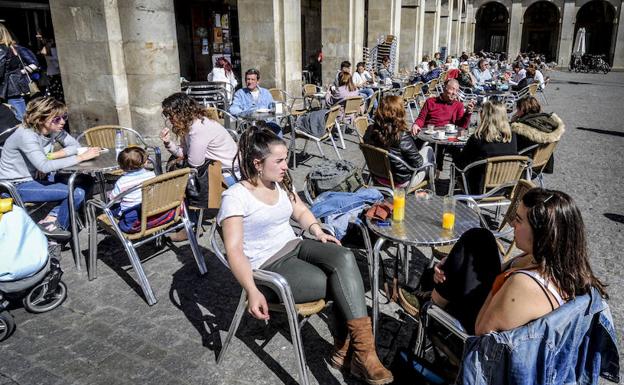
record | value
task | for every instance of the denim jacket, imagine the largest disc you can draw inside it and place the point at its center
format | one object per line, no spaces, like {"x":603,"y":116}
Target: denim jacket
{"x":244,"y":101}
{"x":337,"y":209}
{"x":575,"y":344}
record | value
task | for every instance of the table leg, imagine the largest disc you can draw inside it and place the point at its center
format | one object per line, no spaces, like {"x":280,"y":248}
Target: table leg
{"x":100,"y":178}
{"x":375,"y":288}
{"x":293,"y":144}
{"x":72,"y":218}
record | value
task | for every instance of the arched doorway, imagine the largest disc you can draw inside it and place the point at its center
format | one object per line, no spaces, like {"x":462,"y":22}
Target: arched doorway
{"x":597,"y":18}
{"x":540,"y":30}
{"x":492,"y":28}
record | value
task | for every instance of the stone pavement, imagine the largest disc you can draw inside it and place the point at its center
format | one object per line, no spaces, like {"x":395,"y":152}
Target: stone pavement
{"x":105,"y":333}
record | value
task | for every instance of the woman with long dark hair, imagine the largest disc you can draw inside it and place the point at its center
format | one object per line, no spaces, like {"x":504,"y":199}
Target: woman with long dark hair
{"x":255,"y":217}
{"x":554,"y":268}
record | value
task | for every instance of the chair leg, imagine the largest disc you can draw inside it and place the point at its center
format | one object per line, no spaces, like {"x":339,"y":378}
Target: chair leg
{"x":342,"y":142}
{"x":199,"y":257}
{"x":92,"y":223}
{"x":198,"y":225}
{"x":335,"y":146}
{"x":238,"y":315}
{"x":138,"y":268}
{"x":318,"y":145}
{"x":295,"y":335}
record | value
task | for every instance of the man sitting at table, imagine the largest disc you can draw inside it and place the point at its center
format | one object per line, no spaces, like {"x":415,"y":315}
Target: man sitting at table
{"x":345,"y":66}
{"x":482,"y":73}
{"x":253,"y":97}
{"x":441,"y":110}
{"x":518,"y":75}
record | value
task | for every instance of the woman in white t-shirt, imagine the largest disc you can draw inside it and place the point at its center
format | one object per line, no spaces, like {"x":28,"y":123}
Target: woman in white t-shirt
{"x":222,"y":72}
{"x":255,"y":215}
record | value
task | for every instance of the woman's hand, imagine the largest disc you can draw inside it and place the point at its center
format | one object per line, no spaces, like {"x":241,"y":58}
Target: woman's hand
{"x":91,"y":153}
{"x":438,"y":273}
{"x":165,"y":135}
{"x":324,"y":237}
{"x":257,"y":305}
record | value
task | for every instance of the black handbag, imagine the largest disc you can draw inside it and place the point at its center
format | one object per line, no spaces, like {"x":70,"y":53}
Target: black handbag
{"x":17,"y":84}
{"x":197,"y":185}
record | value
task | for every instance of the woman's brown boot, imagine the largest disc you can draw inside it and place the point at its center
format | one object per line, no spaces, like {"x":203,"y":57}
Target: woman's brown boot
{"x":339,"y":359}
{"x":365,"y":364}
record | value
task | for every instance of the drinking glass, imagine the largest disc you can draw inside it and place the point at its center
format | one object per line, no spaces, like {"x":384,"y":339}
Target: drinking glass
{"x":398,"y":203}
{"x":448,"y":213}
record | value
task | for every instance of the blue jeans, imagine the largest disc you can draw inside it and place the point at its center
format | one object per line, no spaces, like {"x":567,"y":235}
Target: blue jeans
{"x":20,"y":107}
{"x":50,"y":191}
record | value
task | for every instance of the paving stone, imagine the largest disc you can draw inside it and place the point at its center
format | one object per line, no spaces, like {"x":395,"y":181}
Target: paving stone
{"x":40,"y":376}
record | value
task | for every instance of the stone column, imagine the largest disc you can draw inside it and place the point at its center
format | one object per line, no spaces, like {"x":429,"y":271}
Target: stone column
{"x":618,"y":54}
{"x":515,"y":29}
{"x":270,"y":40}
{"x":446,"y":24}
{"x":384,"y":18}
{"x":568,"y":20}
{"x":412,"y":27}
{"x":342,"y":34}
{"x":457,"y":19}
{"x":112,"y":74}
{"x":431,"y":26}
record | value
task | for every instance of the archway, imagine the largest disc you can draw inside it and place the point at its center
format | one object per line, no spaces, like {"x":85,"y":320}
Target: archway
{"x":540,"y":30}
{"x":597,"y":18}
{"x":492,"y":28}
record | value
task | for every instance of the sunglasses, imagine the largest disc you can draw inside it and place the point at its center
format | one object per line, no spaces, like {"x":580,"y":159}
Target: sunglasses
{"x":57,"y":119}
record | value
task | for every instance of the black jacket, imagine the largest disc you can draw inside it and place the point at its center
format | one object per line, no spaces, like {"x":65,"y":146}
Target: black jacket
{"x":405,"y":149}
{"x":477,"y":149}
{"x":538,"y":129}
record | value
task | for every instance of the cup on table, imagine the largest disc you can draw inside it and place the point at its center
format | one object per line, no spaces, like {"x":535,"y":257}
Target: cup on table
{"x":439,"y":135}
{"x":430,"y":127}
{"x":423,"y":194}
{"x":398,"y":205}
{"x":448,"y":213}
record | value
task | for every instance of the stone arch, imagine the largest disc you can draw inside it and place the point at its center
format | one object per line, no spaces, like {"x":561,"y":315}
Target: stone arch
{"x":597,"y":17}
{"x":540,"y":29}
{"x":492,"y":27}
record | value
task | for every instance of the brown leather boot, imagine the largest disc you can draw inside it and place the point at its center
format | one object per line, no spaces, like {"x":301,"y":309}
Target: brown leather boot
{"x":364,"y":363}
{"x":340,"y":353}
{"x":178,"y":236}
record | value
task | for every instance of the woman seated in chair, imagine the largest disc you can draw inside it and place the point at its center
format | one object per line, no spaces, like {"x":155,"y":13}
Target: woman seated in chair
{"x":526,"y":81}
{"x":346,"y":89}
{"x":390,"y":132}
{"x":492,"y":138}
{"x":532,"y":126}
{"x":28,"y":158}
{"x":486,"y":296}
{"x":255,"y":215}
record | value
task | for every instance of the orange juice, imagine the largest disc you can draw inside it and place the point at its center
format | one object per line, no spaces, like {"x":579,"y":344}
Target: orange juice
{"x":448,"y":221}
{"x":398,"y":203}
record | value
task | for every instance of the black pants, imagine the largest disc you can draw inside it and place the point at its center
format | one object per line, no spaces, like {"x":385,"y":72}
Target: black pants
{"x":316,"y":270}
{"x":470,"y":269}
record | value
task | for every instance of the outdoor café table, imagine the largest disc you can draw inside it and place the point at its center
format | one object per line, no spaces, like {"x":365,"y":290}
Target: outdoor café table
{"x":96,"y":167}
{"x":255,"y":116}
{"x":422,"y":227}
{"x":382,"y":88}
{"x":429,"y":138}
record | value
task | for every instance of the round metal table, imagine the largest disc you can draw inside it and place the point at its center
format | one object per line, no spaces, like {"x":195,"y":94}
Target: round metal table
{"x":96,"y":167}
{"x":422,"y":227}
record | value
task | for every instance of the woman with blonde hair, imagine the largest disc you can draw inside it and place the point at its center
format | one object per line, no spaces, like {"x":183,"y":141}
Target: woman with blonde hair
{"x":28,"y":157}
{"x":493,"y":137}
{"x":390,"y":132}
{"x":17,"y":63}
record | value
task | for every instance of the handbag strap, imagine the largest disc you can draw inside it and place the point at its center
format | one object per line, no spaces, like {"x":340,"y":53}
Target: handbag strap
{"x":23,"y":65}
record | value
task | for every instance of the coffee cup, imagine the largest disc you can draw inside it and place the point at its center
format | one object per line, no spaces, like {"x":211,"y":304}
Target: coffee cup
{"x":450,"y":128}
{"x":439,"y":135}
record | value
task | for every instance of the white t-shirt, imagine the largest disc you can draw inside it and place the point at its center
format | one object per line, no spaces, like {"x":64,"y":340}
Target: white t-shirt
{"x":126,"y":182}
{"x":360,"y":80}
{"x":266,"y":229}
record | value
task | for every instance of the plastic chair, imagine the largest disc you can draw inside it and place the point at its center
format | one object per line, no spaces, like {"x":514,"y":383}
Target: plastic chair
{"x":540,"y":154}
{"x":331,"y":122}
{"x":104,"y":136}
{"x":297,"y":314}
{"x":378,"y":164}
{"x":159,"y":195}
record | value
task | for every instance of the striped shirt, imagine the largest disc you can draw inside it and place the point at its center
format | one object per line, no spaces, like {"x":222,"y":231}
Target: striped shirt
{"x":127,"y":181}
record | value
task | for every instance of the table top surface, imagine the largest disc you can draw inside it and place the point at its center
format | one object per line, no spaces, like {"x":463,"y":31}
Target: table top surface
{"x":107,"y":161}
{"x":423,"y":223}
{"x":428,"y":137}
{"x":256,"y":115}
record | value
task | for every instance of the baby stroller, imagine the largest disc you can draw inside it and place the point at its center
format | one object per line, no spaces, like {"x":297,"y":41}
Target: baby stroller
{"x":28,"y":270}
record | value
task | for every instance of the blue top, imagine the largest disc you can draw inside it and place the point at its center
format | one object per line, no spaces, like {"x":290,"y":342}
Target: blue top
{"x":244,"y":101}
{"x":574,"y":344}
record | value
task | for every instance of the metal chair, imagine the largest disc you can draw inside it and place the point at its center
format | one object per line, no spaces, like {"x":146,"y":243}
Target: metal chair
{"x":540,"y":155}
{"x":408,"y":98}
{"x":216,"y":186}
{"x":289,"y":101}
{"x":227,"y":120}
{"x":104,"y":136}
{"x":210,"y":93}
{"x":331,"y":122}
{"x":361,"y":124}
{"x":159,"y":195}
{"x":308,"y":92}
{"x":378,"y":164}
{"x":371,"y":102}
{"x":297,"y":314}
{"x":351,"y":107}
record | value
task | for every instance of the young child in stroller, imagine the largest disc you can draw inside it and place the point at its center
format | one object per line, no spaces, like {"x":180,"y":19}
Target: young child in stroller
{"x":27,"y":270}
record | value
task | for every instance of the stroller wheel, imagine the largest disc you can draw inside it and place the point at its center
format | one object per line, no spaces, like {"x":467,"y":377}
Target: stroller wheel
{"x":41,"y":300}
{"x":7,"y":325}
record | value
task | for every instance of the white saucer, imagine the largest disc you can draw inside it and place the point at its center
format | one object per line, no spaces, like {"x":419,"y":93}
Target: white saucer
{"x":430,"y":132}
{"x":262,"y":110}
{"x":462,"y":139}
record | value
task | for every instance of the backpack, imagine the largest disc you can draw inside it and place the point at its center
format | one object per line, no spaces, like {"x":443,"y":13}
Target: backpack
{"x":334,"y":175}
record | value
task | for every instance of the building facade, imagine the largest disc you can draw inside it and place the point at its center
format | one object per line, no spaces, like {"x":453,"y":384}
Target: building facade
{"x":120,"y":59}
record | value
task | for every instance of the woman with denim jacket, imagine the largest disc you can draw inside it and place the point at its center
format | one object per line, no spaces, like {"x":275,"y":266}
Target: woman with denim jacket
{"x":487,"y":297}
{"x":255,"y":217}
{"x":390,"y":132}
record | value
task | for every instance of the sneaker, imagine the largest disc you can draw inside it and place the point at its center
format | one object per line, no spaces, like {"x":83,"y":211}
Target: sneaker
{"x":53,"y":230}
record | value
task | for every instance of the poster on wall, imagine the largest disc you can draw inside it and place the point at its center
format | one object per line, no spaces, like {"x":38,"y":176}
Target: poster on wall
{"x":205,"y":47}
{"x":217,"y":35}
{"x":225,"y":21}
{"x":217,"y":17}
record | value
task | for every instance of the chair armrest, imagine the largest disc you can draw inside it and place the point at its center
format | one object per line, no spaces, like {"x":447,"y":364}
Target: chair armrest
{"x":528,"y":149}
{"x":12,"y":192}
{"x":449,"y":322}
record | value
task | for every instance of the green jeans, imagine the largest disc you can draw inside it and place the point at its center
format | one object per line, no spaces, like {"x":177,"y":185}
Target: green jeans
{"x":316,"y":270}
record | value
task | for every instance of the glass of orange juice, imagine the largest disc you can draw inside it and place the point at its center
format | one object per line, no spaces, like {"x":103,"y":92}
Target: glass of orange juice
{"x":448,"y":213}
{"x":398,"y":203}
